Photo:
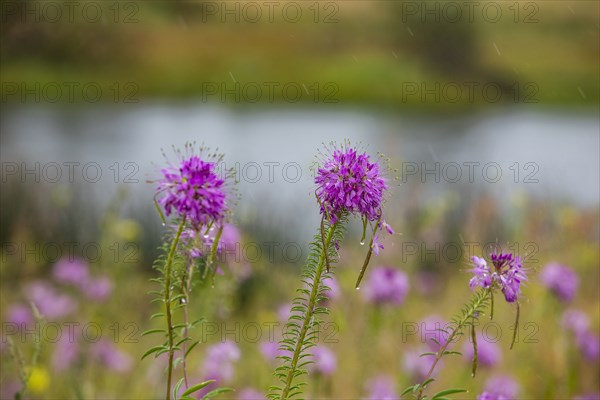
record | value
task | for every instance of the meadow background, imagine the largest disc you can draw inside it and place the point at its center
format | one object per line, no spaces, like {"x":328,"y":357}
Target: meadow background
{"x":93,"y":91}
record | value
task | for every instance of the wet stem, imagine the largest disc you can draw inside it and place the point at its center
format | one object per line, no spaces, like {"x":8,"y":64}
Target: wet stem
{"x":167,"y":301}
{"x":440,"y":353}
{"x":309,"y":313}
{"x":186,"y":282}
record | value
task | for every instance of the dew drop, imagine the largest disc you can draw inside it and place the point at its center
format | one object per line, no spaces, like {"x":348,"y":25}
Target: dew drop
{"x":163,"y":224}
{"x":362,"y":243}
{"x":358,"y":288}
{"x":206,"y":236}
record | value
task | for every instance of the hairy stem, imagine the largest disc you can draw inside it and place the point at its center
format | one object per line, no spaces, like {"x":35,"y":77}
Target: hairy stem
{"x":186,"y":282}
{"x":309,"y":313}
{"x":167,"y":300}
{"x":461,"y":323}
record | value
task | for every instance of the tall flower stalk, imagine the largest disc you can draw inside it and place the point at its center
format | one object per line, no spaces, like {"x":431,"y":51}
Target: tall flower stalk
{"x":348,"y":184}
{"x":193,"y":193}
{"x":506,"y":275}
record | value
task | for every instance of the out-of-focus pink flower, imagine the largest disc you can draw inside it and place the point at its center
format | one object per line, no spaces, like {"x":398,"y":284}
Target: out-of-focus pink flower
{"x":270,"y":350}
{"x":381,"y":388}
{"x":324,"y":360}
{"x":71,"y":271}
{"x":488,"y":352}
{"x":418,"y":367}
{"x":219,"y":361}
{"x":334,"y":288}
{"x":20,"y":314}
{"x":561,"y":280}
{"x":284,"y":312}
{"x":98,"y":289}
{"x":65,"y":351}
{"x":433,"y":328}
{"x":113,"y":358}
{"x":576,"y":321}
{"x":589,"y":345}
{"x":386,"y":285}
{"x":51,"y":304}
{"x":250,"y":394}
{"x":500,"y":387}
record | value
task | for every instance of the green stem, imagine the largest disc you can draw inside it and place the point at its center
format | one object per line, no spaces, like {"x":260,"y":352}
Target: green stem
{"x":440,"y":353}
{"x":309,"y":313}
{"x":167,"y":300}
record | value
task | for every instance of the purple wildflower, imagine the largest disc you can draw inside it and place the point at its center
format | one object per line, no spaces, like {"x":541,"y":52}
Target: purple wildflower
{"x":488,"y":352}
{"x":284,"y":312}
{"x":500,"y":388}
{"x":193,"y":190}
{"x":382,"y":388}
{"x":575,"y":321}
{"x":65,"y":353}
{"x":434,"y":329}
{"x":418,"y":367}
{"x":561,"y":280}
{"x":349,"y":182}
{"x":98,"y":289}
{"x":20,"y":315}
{"x":51,"y":304}
{"x":377,"y":246}
{"x":250,"y":394}
{"x":113,"y":358}
{"x":324,"y":361}
{"x":270,"y":350}
{"x":73,"y":272}
{"x":334,"y":288}
{"x":386,"y":285}
{"x":508,"y":274}
{"x":218,"y":364}
{"x":589,"y":345}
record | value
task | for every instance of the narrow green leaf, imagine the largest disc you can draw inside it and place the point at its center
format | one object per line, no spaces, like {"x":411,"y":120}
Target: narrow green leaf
{"x":407,"y":390}
{"x":151,"y":331}
{"x":216,"y":392}
{"x":152,"y":350}
{"x":440,"y":395}
{"x":197,"y":387}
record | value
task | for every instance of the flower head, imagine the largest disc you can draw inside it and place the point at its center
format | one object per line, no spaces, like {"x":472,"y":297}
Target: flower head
{"x":49,"y":302}
{"x":218,"y":364}
{"x":576,"y":321}
{"x":250,"y":394}
{"x":561,"y":280}
{"x":488,"y":352}
{"x":111,"y":357}
{"x":418,"y":367}
{"x":66,"y":352}
{"x":386,"y":285}
{"x":324,"y":360}
{"x":71,"y":271}
{"x":193,"y":189}
{"x":98,"y":289}
{"x":349,"y":182}
{"x":20,"y":315}
{"x":589,"y":345}
{"x":382,"y":388}
{"x":506,"y":272}
{"x":500,"y":388}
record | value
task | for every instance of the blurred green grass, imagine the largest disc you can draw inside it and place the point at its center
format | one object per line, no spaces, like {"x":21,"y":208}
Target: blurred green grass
{"x":369,"y":54}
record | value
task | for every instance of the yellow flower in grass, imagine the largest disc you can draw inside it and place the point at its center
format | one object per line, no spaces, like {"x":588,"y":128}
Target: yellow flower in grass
{"x":39,"y":380}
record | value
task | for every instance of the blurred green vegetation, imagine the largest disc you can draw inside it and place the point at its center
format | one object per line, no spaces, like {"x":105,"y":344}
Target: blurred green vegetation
{"x":543,"y":52}
{"x":368,"y":340}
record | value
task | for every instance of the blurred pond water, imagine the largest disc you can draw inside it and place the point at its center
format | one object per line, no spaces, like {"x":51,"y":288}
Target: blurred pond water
{"x":548,"y":155}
